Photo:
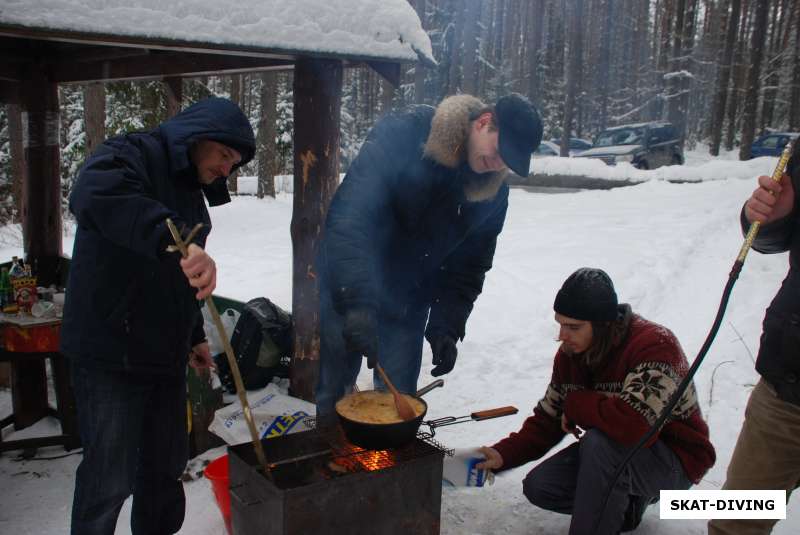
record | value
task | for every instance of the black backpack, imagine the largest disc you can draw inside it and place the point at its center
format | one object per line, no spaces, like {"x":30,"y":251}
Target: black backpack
{"x":262,"y":343}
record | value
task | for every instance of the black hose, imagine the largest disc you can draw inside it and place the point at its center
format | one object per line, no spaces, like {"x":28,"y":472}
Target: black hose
{"x":726,"y":293}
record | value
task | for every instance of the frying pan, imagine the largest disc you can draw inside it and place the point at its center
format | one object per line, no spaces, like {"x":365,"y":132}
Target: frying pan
{"x":383,"y":436}
{"x":378,"y":436}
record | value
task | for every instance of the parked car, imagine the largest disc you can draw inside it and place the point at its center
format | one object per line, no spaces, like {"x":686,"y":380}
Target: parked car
{"x":643,"y":145}
{"x":545,"y":149}
{"x":771,"y":144}
{"x":576,"y":145}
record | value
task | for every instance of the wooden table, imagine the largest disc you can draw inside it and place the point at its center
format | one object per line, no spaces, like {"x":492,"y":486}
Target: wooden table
{"x":27,"y":343}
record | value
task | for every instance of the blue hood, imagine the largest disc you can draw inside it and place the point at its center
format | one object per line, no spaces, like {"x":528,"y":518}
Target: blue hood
{"x":214,"y":118}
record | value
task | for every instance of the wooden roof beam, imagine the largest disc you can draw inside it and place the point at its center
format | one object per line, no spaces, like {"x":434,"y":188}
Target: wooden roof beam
{"x":158,"y":65}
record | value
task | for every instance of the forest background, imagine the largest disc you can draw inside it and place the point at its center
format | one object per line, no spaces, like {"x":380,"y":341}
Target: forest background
{"x":722,"y":71}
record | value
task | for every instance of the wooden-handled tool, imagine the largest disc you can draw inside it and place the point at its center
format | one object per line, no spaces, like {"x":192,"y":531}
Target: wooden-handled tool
{"x":777,"y":174}
{"x":402,"y":405}
{"x":237,"y":376}
{"x":493,"y":413}
{"x":474,"y":417}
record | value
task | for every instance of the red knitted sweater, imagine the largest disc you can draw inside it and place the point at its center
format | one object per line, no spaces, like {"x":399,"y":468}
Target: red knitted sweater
{"x":622,"y":400}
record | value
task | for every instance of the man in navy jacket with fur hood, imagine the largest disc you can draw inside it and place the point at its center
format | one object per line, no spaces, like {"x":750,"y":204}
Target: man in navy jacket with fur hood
{"x":132,"y":315}
{"x":411,"y":233}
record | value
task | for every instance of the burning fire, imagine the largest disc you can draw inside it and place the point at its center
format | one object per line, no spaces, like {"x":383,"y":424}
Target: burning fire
{"x":369,"y":460}
{"x":373,"y":460}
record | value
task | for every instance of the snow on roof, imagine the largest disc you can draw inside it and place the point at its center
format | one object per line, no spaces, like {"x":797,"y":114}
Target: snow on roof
{"x":380,"y":29}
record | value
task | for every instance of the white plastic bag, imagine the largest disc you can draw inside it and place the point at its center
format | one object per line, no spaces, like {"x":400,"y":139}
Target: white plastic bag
{"x":229,"y":318}
{"x":274,"y":413}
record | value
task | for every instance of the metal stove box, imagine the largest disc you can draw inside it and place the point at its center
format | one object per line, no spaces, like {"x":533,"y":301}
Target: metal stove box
{"x":320,"y":484}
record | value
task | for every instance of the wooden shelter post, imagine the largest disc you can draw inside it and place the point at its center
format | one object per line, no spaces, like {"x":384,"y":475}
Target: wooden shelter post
{"x":41,"y":225}
{"x":41,"y":207}
{"x":317,"y":102}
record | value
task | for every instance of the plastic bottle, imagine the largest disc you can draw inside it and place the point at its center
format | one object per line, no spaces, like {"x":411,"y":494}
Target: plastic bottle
{"x":16,"y":269}
{"x":5,"y":287}
{"x":9,"y":299}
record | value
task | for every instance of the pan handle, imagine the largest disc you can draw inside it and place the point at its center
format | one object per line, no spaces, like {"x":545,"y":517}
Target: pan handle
{"x":425,"y":389}
{"x":493,"y":413}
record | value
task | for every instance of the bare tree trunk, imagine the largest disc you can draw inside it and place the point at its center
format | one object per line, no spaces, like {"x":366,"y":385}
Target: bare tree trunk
{"x":174,"y":88}
{"x":639,"y":49}
{"x":94,"y":115}
{"x":497,"y":45}
{"x":387,"y":94}
{"x":573,"y":73}
{"x":738,"y":78}
{"x":678,"y":66}
{"x":265,"y":140}
{"x":667,"y":11}
{"x":236,"y":96}
{"x":456,"y":39}
{"x":771,"y":69}
{"x":514,"y":19}
{"x":753,"y":74}
{"x":18,"y":167}
{"x":794,"y":106}
{"x":419,"y":70}
{"x":605,"y":63}
{"x":472,"y":11}
{"x":723,"y":80}
{"x":534,"y":48}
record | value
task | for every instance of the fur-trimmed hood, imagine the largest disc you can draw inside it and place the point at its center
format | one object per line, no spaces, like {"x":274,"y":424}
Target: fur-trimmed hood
{"x":447,"y":145}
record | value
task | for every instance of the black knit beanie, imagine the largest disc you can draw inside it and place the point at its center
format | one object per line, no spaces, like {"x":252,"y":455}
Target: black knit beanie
{"x":587,"y":295}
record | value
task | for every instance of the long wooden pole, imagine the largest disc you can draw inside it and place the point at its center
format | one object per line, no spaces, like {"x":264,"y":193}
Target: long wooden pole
{"x":237,"y":376}
{"x":777,"y":174}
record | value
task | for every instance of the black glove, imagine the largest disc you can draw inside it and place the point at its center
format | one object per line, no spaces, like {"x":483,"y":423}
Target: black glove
{"x":444,"y":354}
{"x":361,"y":334}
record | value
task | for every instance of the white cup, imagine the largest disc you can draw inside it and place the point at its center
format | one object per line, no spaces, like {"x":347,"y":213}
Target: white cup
{"x":43,"y":309}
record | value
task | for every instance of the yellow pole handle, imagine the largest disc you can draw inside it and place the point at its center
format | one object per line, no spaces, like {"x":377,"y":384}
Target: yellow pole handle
{"x":777,"y":174}
{"x":237,"y":376}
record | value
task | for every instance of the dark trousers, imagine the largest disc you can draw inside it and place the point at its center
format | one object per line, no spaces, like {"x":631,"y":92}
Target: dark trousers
{"x":133,"y":429}
{"x":399,"y":353}
{"x":576,"y":479}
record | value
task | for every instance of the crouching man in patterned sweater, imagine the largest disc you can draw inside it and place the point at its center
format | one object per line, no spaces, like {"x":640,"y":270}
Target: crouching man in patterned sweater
{"x":612,"y":375}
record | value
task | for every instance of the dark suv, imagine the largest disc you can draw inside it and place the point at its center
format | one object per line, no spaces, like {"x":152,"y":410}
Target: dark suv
{"x":643,"y":145}
{"x":772,"y":144}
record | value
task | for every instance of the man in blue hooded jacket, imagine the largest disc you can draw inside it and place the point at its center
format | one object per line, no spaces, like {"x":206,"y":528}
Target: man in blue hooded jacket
{"x":411,"y":233}
{"x":132,"y":317}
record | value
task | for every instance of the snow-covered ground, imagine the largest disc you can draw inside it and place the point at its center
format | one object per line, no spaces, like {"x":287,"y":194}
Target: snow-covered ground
{"x":668,"y":247}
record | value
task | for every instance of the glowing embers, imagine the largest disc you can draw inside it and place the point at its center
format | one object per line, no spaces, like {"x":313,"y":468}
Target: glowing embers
{"x":364,"y":460}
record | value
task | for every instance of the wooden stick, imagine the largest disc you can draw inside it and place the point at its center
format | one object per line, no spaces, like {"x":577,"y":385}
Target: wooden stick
{"x":777,"y":174}
{"x":237,"y":376}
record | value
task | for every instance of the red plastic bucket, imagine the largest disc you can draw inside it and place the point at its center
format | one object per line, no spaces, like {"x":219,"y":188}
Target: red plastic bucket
{"x":217,"y":473}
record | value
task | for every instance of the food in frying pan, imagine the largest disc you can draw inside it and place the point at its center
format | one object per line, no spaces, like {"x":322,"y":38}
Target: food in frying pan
{"x":374,"y":407}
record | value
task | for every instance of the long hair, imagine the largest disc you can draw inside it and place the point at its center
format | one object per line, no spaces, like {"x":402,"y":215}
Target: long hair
{"x":606,"y":335}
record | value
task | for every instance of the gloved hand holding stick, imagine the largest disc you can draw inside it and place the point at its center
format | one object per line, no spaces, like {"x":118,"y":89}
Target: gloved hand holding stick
{"x":237,"y":376}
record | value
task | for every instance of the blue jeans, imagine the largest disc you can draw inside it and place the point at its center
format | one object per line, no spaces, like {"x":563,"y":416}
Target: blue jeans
{"x":575,"y":481}
{"x":133,"y":429}
{"x":399,"y":353}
